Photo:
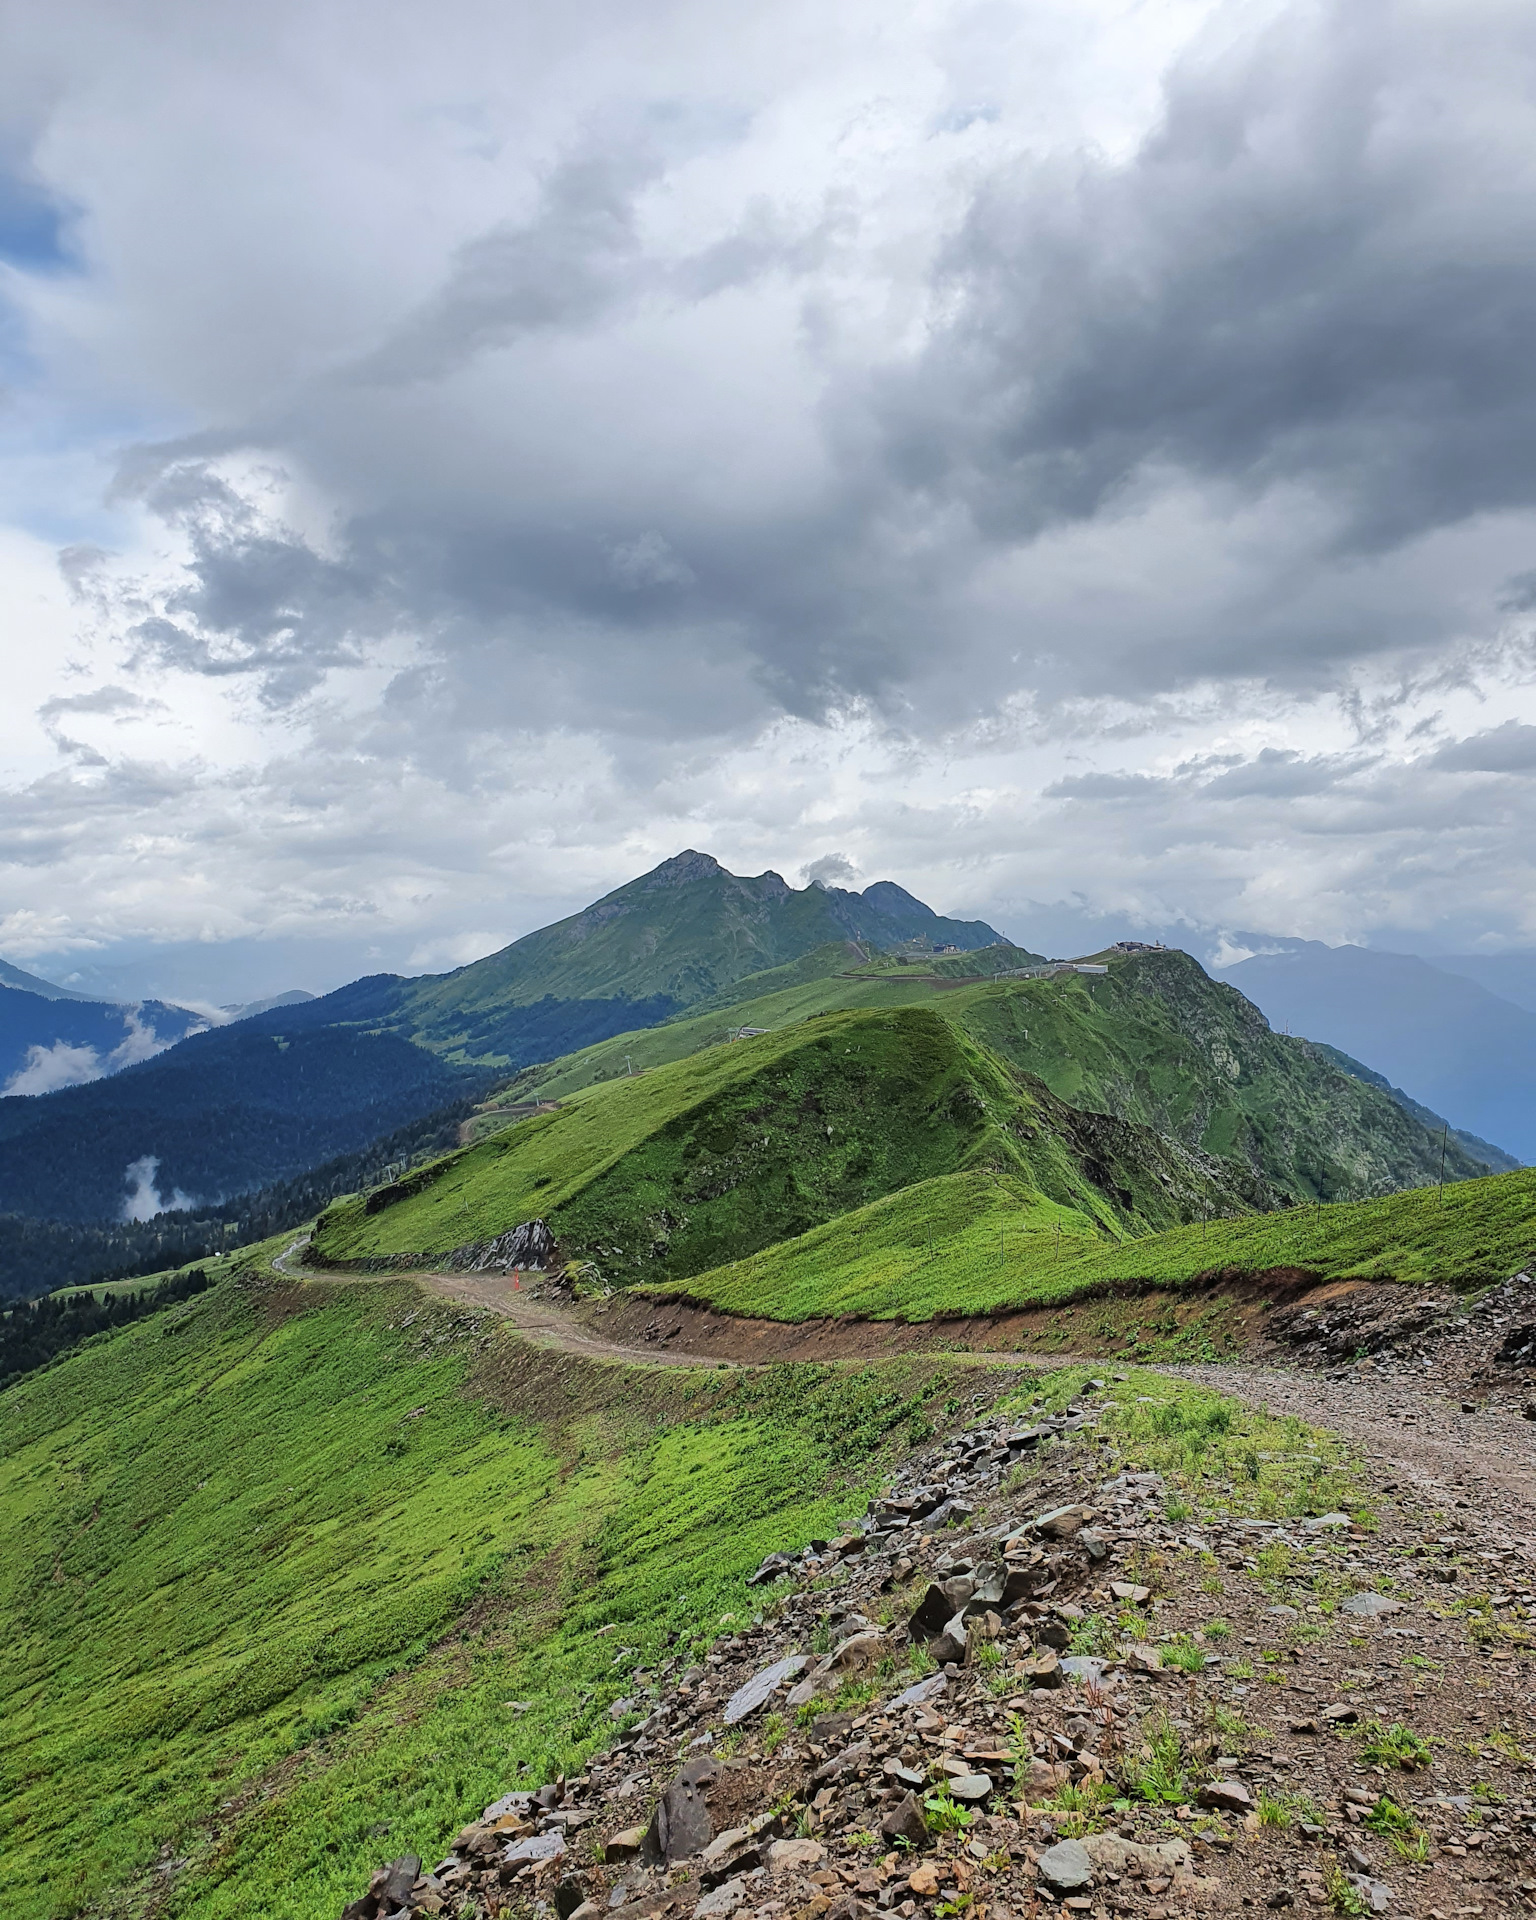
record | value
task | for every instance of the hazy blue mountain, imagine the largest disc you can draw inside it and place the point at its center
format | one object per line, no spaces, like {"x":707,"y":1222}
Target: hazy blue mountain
{"x":1436,"y":1123}
{"x":45,"y":989}
{"x":1512,"y":976}
{"x":1454,"y":1046}
{"x":48,"y":1043}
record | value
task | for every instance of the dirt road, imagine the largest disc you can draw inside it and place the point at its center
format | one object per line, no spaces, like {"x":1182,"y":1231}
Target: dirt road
{"x":1409,"y":1428}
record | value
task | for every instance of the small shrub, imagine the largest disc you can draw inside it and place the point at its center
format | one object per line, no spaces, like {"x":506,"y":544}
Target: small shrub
{"x":774,"y":1731}
{"x":945,"y":1814}
{"x":1394,"y":1746}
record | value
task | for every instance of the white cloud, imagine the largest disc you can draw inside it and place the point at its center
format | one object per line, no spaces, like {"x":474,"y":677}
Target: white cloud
{"x":144,"y":1201}
{"x":49,"y":1068}
{"x":1077,"y":456}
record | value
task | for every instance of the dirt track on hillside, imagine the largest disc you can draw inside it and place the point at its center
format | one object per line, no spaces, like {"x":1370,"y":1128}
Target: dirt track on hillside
{"x":1417,"y":1430}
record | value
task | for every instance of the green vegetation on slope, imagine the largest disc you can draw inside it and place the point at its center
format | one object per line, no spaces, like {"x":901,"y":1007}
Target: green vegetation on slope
{"x":1153,"y":1040}
{"x":1467,"y":1235}
{"x":274,"y":1565}
{"x":725,"y":1153}
{"x":908,"y":1256}
{"x":673,"y":937}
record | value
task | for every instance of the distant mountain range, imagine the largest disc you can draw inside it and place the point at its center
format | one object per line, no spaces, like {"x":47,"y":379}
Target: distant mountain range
{"x":1434,"y":1028}
{"x":236,"y":1107}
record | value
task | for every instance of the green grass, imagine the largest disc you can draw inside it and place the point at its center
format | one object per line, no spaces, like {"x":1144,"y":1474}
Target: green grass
{"x":929,"y":1249}
{"x":273,"y":1565}
{"x":1154,"y":1041}
{"x":718,"y":1156}
{"x":1463,"y":1236}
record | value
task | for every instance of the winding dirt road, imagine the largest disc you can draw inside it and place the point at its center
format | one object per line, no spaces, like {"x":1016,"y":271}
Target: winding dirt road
{"x":1417,"y":1429}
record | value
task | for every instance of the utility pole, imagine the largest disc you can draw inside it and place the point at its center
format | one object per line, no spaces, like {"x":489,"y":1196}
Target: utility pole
{"x":631,"y":1066}
{"x":1444,"y":1136}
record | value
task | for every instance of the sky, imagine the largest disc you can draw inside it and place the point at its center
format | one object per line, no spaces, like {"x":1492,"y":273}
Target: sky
{"x":1075,"y":458}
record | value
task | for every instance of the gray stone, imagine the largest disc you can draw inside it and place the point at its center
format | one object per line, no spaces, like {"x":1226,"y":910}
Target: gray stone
{"x":943,"y":1599}
{"x":1376,"y":1893}
{"x":1083,"y":1666}
{"x":928,"y":1689}
{"x":795,"y":1856}
{"x":762,"y":1687}
{"x":1066,"y":1868}
{"x":569,"y":1895}
{"x":903,"y":1776}
{"x":681,"y":1826}
{"x":1371,"y":1605}
{"x":721,"y":1901}
{"x":1325,"y":1522}
{"x":538,"y":1846}
{"x":1340,"y":1714}
{"x":971,"y":1788}
{"x":1061,"y":1523}
{"x":950,"y":1644}
{"x":1114,"y":1854}
{"x":1225,"y":1796}
{"x":905,"y":1821}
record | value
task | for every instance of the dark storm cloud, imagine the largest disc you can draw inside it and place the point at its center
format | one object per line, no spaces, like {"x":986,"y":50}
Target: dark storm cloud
{"x":1320,"y":269}
{"x":1314,"y":285}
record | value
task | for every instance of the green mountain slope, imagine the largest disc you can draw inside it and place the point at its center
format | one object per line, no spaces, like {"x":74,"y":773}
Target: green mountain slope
{"x":741,"y":1145}
{"x":1495,"y":1158}
{"x":671,"y":938}
{"x":1152,"y":1039}
{"x":274,"y":1565}
{"x":928,"y":1252}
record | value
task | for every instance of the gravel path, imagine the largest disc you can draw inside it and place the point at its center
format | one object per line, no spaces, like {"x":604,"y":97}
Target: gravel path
{"x":1420,"y":1433}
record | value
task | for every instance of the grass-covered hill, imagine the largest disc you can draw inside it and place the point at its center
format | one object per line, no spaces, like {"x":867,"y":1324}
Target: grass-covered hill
{"x":1153,"y":1039}
{"x":275,"y":1564}
{"x":745,"y":1144}
{"x":938,"y":1249}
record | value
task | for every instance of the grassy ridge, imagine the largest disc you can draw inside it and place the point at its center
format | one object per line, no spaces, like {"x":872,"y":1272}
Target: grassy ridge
{"x":273,"y":1567}
{"x":875,"y":1263}
{"x":1153,"y":1040}
{"x":718,"y":1156}
{"x":906,"y":1257}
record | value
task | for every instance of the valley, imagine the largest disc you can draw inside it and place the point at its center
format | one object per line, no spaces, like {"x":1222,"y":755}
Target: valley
{"x":442,"y":1474}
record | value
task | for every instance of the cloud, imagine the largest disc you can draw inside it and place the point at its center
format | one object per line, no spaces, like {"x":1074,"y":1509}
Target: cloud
{"x":1510,"y":748}
{"x":63,"y":1065}
{"x":1074,"y":458}
{"x":49,"y":1068}
{"x":144,"y":1201}
{"x":831,"y":870}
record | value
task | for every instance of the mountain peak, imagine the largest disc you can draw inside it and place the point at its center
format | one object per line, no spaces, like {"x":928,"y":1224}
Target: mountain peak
{"x":681,"y":868}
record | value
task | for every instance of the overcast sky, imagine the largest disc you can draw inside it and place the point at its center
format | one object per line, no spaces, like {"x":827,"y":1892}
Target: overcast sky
{"x":1071,"y":457}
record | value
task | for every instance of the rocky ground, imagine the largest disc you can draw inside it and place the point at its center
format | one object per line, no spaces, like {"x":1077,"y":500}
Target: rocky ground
{"x":1041,"y":1677}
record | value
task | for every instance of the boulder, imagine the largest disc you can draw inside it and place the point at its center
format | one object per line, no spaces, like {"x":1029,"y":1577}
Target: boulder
{"x":950,"y":1644}
{"x":535,"y":1850}
{"x":1038,"y":1779}
{"x":1114,"y":1855}
{"x":624,"y":1846}
{"x":795,"y":1856}
{"x":681,"y":1826}
{"x":1066,"y":1868}
{"x":1061,"y":1522}
{"x":1043,"y":1671}
{"x":388,"y":1890}
{"x":943,"y":1599}
{"x":570,"y":1894}
{"x":1370,"y":1606}
{"x":905,"y":1821}
{"x":858,"y":1652}
{"x":721,"y":1901}
{"x":1225,"y":1796}
{"x":971,"y":1788}
{"x":762,"y":1686}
